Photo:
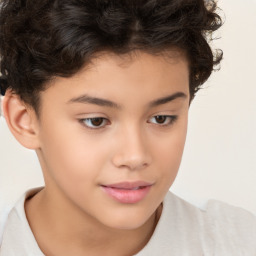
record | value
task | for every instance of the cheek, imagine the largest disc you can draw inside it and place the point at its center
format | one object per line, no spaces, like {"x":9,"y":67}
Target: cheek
{"x":71,"y":156}
{"x":169,"y":153}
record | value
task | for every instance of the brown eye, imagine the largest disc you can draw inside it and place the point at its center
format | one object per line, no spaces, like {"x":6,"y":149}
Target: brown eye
{"x":160,"y":119}
{"x":95,"y":122}
{"x":163,"y":120}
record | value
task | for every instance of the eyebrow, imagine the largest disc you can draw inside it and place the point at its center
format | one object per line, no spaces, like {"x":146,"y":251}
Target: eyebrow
{"x":167,"y":99}
{"x":94,"y":100}
{"x":107,"y":103}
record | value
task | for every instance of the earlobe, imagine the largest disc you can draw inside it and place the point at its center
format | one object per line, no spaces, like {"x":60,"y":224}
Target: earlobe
{"x":21,"y":119}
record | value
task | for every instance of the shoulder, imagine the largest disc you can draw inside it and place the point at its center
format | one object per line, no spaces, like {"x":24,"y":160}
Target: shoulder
{"x":220,"y":228}
{"x":233,"y":225}
{"x":215,"y":212}
{"x":17,"y":238}
{"x":3,"y":218}
{"x":184,"y":229}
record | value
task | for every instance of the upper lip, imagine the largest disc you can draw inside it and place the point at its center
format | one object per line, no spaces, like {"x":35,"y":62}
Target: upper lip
{"x":129,"y":185}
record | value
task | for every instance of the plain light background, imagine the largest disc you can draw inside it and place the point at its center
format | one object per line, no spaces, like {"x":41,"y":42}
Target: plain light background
{"x":220,"y":154}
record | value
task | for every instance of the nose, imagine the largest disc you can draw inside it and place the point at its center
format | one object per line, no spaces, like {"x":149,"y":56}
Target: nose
{"x":133,"y":151}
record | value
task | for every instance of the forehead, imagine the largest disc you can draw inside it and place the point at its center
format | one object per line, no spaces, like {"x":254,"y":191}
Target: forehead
{"x":115,"y":76}
{"x":133,"y":60}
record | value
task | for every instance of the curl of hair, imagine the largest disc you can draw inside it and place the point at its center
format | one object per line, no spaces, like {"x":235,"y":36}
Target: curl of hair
{"x":40,"y":40}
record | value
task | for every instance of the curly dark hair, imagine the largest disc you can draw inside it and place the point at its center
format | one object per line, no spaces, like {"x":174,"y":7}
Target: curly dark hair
{"x":42,"y":39}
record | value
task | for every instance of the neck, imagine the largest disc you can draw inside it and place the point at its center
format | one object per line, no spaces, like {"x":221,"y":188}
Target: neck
{"x":61,"y":229}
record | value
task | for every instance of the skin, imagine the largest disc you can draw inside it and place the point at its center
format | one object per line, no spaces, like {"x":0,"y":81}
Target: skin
{"x":72,"y":215}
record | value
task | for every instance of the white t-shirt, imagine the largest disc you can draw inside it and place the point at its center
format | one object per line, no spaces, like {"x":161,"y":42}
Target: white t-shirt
{"x":183,"y":229}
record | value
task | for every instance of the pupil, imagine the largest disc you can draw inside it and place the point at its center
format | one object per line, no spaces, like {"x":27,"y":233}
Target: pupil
{"x":160,"y":119}
{"x":97,"y":121}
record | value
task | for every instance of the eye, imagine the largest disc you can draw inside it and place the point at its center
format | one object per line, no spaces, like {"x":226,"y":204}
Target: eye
{"x":163,"y":120}
{"x":95,"y":122}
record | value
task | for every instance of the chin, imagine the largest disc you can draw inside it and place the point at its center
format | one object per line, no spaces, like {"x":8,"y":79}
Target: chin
{"x":127,"y":222}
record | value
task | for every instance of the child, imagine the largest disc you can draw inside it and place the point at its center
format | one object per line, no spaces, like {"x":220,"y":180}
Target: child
{"x":101,"y":90}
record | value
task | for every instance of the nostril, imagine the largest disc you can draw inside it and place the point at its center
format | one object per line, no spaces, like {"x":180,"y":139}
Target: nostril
{"x":130,"y":163}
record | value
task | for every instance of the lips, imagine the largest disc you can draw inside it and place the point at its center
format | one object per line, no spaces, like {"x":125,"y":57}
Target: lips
{"x":127,"y":192}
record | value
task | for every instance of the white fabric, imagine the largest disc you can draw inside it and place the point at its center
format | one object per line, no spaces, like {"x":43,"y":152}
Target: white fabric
{"x":183,"y":229}
{"x":18,"y":239}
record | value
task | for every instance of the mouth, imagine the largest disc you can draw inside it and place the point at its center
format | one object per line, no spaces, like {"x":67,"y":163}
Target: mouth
{"x":128,"y":192}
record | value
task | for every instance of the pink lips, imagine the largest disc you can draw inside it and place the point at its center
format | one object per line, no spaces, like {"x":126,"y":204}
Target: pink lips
{"x":128,"y":192}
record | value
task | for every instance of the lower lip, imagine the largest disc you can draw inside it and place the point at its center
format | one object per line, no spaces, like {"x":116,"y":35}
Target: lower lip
{"x":127,"y":196}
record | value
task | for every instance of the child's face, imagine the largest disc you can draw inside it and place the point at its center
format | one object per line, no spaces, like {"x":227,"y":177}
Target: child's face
{"x":112,"y":136}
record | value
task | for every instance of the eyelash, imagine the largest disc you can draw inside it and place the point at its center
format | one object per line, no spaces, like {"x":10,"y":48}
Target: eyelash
{"x":104,"y":120}
{"x":170,"y":120}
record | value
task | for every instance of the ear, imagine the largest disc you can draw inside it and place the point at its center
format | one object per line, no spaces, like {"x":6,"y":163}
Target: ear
{"x":21,"y":120}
